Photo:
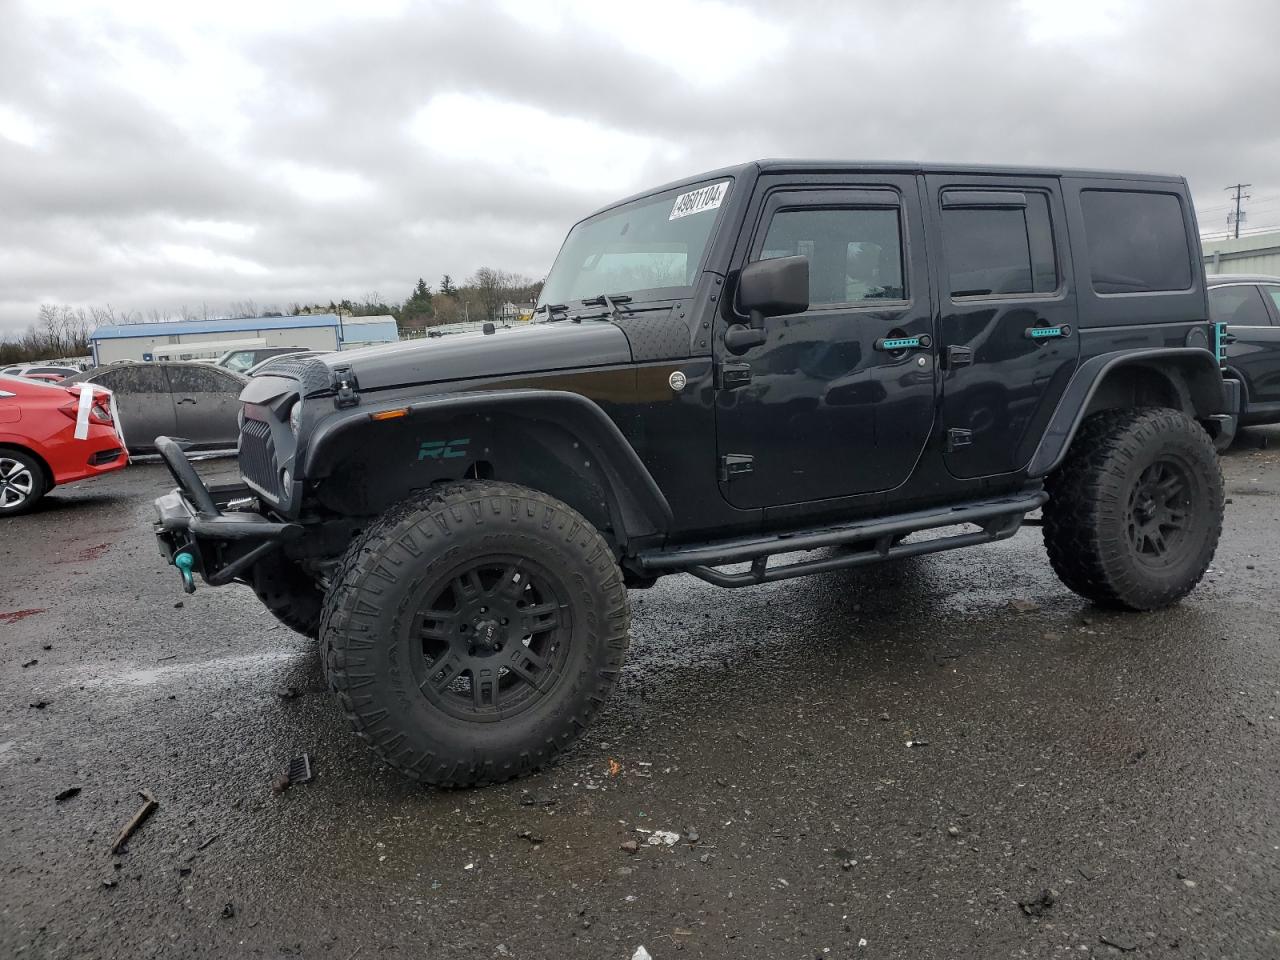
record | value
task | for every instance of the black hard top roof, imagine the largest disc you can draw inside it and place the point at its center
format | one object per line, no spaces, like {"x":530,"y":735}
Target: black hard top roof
{"x":782,"y":165}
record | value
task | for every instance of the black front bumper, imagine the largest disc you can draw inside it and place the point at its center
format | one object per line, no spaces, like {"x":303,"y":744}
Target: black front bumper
{"x":198,"y":534}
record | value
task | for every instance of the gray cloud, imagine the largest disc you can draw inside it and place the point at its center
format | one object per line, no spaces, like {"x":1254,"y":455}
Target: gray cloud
{"x":299,"y":173}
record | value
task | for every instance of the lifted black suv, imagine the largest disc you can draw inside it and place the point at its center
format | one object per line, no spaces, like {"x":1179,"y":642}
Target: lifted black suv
{"x":769,"y":359}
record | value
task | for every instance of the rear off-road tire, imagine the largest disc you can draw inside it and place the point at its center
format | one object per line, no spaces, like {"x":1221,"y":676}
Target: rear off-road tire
{"x":1135,"y":511}
{"x":292,"y":597}
{"x":473,"y":632}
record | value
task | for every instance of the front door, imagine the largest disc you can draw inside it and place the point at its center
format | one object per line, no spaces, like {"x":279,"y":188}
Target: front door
{"x":1007,"y":316}
{"x":839,"y":400}
{"x":205,"y":402}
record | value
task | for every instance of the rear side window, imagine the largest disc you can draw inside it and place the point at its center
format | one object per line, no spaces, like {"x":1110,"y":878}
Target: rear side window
{"x":133,"y":378}
{"x":999,"y":250}
{"x":855,"y":255}
{"x":1240,"y":305}
{"x":1137,"y":241}
{"x":1274,"y":294}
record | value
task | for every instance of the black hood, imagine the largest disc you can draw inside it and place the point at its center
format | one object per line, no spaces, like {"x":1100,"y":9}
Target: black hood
{"x":532,"y":348}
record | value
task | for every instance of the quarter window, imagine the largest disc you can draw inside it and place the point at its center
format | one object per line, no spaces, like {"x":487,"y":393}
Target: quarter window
{"x":1274,"y":294}
{"x":855,"y":255}
{"x":1240,"y":305}
{"x":996,"y":251}
{"x":1137,"y":241}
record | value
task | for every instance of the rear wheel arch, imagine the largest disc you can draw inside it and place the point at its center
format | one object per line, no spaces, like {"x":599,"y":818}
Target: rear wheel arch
{"x":1186,"y":379}
{"x":49,"y":481}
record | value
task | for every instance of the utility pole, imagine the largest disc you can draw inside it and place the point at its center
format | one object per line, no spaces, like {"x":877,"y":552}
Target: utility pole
{"x":1240,"y":195}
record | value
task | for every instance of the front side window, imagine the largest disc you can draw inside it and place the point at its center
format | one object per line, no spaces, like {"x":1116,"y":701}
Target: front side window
{"x":1137,"y":241}
{"x":997,"y":250}
{"x":201,"y":379}
{"x":1240,"y":305}
{"x":654,"y":244}
{"x":855,"y":255}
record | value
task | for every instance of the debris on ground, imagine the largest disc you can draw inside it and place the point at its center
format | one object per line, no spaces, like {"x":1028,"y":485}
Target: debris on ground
{"x":289,"y":693}
{"x":298,"y":771}
{"x":1024,"y":606}
{"x":953,"y":831}
{"x":1040,"y":905}
{"x":660,"y":837}
{"x":641,"y":954}
{"x":917,"y":743}
{"x":529,"y":800}
{"x":529,"y":835}
{"x":1123,"y":944}
{"x":148,"y":807}
{"x":228,"y":911}
{"x":30,"y":663}
{"x":630,"y":846}
{"x":206,"y":842}
{"x":884,"y":717}
{"x":40,"y":704}
{"x":178,"y":605}
{"x":67,"y":794}
{"x":110,"y":884}
{"x":691,"y":834}
{"x":46,"y":646}
{"x":615,"y":767}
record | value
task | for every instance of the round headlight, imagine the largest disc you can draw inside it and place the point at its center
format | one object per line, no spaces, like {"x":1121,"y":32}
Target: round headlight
{"x":295,"y":416}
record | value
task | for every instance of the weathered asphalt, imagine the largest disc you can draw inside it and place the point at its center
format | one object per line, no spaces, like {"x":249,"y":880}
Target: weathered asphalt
{"x":1130,"y":764}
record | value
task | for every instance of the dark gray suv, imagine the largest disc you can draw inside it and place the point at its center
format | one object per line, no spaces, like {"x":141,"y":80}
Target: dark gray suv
{"x":1250,"y":307}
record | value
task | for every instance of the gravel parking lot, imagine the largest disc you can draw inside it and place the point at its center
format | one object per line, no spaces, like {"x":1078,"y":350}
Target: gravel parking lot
{"x":947,"y":757}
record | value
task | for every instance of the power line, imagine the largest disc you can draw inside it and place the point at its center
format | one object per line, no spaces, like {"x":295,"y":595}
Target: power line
{"x":1240,"y":195}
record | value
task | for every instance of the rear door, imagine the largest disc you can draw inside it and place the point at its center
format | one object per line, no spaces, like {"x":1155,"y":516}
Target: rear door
{"x":1254,"y":350}
{"x":824,"y":408}
{"x":1006,"y":317}
{"x":206,"y":401}
{"x":143,"y":403}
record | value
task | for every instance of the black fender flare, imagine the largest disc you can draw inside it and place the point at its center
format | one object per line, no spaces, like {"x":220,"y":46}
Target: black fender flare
{"x":637,"y":506}
{"x":1202,"y":375}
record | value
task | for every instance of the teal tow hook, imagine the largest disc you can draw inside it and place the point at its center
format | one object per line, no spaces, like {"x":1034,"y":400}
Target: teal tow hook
{"x":185,"y":562}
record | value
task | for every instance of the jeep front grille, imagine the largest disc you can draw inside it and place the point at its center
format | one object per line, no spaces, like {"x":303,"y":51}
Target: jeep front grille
{"x":258,"y":457}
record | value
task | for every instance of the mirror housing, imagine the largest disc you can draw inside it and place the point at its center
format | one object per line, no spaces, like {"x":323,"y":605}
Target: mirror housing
{"x":774,"y":288}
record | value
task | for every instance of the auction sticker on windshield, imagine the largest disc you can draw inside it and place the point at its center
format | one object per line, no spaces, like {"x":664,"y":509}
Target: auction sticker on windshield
{"x":699,"y":201}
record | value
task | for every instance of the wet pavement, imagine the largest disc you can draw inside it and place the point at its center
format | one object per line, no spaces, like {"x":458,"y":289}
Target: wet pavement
{"x":947,"y":757}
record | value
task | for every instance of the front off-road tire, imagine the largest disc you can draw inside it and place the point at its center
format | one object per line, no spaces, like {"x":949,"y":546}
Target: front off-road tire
{"x":1135,"y":511}
{"x":292,"y":597}
{"x":472,"y":632}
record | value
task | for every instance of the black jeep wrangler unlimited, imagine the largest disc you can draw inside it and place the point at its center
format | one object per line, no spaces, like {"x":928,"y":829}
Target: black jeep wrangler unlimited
{"x":771,"y":359}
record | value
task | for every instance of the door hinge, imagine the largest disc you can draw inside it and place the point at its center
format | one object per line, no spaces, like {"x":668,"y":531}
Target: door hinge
{"x":735,"y":465}
{"x":958,"y":356}
{"x":346,"y":387}
{"x":734,"y":375}
{"x":958,"y":438}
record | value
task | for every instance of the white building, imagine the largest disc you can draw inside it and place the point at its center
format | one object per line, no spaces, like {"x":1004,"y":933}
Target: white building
{"x":1255,"y":254}
{"x":208,"y":339}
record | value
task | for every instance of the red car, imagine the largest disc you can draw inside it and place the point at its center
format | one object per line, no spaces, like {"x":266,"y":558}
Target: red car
{"x":39,"y":447}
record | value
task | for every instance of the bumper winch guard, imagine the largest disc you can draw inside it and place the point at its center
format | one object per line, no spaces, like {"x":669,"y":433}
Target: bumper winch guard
{"x":198,"y":535}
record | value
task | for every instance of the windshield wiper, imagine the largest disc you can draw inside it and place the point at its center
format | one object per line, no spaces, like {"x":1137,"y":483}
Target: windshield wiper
{"x":609,"y":303}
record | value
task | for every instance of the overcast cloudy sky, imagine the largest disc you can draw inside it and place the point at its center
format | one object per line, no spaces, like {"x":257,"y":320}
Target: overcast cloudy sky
{"x":156,"y":153}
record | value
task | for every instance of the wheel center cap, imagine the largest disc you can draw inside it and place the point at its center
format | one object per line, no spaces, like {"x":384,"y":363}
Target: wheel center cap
{"x":488,"y":634}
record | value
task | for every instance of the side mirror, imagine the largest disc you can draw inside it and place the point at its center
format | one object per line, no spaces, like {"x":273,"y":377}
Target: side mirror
{"x":768,"y":288}
{"x":773,"y":288}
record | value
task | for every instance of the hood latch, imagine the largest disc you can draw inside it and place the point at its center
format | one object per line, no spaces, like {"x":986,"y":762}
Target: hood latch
{"x":346,"y":387}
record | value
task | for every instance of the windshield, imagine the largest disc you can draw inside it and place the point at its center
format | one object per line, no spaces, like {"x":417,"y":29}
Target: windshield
{"x":654,"y":244}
